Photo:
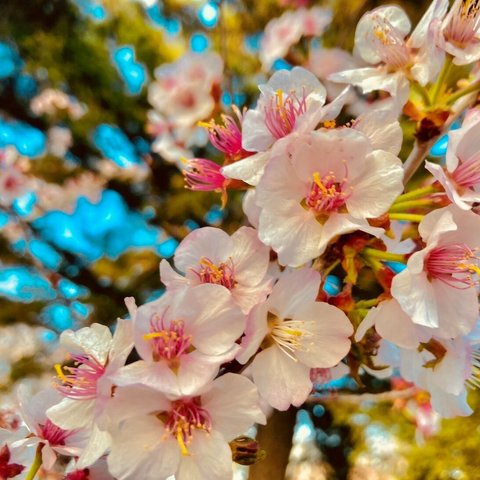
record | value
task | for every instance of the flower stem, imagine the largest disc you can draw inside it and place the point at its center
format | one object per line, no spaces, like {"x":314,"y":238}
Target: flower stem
{"x":361,"y":304}
{"x":37,"y":463}
{"x":417,"y":193}
{"x":407,"y":217}
{"x":387,"y":256}
{"x":474,"y":87}
{"x":422,"y":92}
{"x":437,"y":88}
{"x":402,"y":206}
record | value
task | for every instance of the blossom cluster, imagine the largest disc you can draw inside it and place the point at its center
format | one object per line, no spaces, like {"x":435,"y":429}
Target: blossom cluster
{"x":247,"y":323}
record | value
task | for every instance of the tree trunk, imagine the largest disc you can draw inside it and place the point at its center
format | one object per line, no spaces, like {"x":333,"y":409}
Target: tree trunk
{"x":276,"y":439}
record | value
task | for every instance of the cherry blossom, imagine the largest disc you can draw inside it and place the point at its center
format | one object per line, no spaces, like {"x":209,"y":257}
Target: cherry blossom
{"x":238,"y":263}
{"x":380,"y":40}
{"x":183,"y":338}
{"x":438,"y":287}
{"x":87,"y":386}
{"x":285,"y":31}
{"x":461,"y":175}
{"x":460,"y":32}
{"x":295,"y":334}
{"x":186,"y":437}
{"x":327,"y":184}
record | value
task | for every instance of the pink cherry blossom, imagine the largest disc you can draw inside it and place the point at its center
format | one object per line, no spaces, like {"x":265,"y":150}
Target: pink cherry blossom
{"x":182,"y":89}
{"x":460,"y":32}
{"x":461,"y":175}
{"x":187,"y":437}
{"x":323,"y":185}
{"x":87,"y":386}
{"x":285,"y":31}
{"x":238,"y":263}
{"x":183,"y":338}
{"x":295,"y":334}
{"x":438,"y":287}
{"x":380,"y":39}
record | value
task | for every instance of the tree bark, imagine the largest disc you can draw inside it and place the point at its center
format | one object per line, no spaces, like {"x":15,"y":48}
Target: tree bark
{"x":276,"y":439}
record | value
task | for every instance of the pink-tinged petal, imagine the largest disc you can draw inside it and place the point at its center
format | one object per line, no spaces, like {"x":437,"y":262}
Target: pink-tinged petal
{"x":122,"y":343}
{"x":468,"y":226}
{"x":457,"y":309}
{"x":71,"y":414}
{"x":255,"y":135}
{"x":209,"y":242}
{"x":251,"y":256}
{"x":255,"y":332}
{"x":450,"y":188}
{"x":294,"y":234}
{"x":464,"y":55}
{"x":250,"y":207}
{"x":339,"y":224}
{"x":170,"y":278}
{"x":233,"y":403}
{"x":246,"y":297}
{"x":367,"y":323}
{"x":140,"y":450}
{"x":33,"y":409}
{"x":153,"y":374}
{"x":131,"y":307}
{"x":49,"y":457}
{"x":437,"y":224}
{"x":294,"y":289}
{"x":382,"y":129}
{"x":450,"y":406}
{"x":280,"y":380}
{"x":309,"y":121}
{"x":132,"y":401}
{"x":394,"y":325}
{"x":330,"y":330}
{"x":215,"y":321}
{"x":416,"y":296}
{"x":210,"y":458}
{"x":436,"y":10}
{"x":249,"y":169}
{"x":372,"y":195}
{"x":94,"y":340}
{"x":98,"y":444}
{"x":364,"y":46}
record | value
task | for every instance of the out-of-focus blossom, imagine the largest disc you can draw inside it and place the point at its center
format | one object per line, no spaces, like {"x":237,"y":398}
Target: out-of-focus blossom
{"x":182,"y":90}
{"x":50,"y":101}
{"x":283,"y":32}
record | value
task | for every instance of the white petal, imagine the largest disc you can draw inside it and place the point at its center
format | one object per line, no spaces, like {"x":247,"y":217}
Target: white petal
{"x":249,"y":169}
{"x":382,"y":129}
{"x":97,"y":445}
{"x":233,"y":404}
{"x":70,"y":414}
{"x":375,"y":189}
{"x":280,"y":380}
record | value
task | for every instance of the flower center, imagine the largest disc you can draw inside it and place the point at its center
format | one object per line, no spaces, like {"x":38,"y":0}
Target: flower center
{"x":454,"y":264}
{"x":467,"y":174}
{"x":203,"y":175}
{"x":282,"y":112}
{"x":186,"y":416}
{"x":80,"y":381}
{"x":226,"y":138}
{"x":53,"y":434}
{"x":169,"y":342}
{"x":326,"y":194}
{"x":286,"y":333}
{"x":79,"y":475}
{"x":464,"y":22}
{"x":222,"y":274}
{"x":389,"y":44}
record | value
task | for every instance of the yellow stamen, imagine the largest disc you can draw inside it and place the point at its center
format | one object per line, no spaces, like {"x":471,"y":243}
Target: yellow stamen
{"x":295,"y":333}
{"x":204,"y":124}
{"x":330,"y":124}
{"x":164,"y":335}
{"x":212,"y":267}
{"x":60,"y":374}
{"x":181,"y":443}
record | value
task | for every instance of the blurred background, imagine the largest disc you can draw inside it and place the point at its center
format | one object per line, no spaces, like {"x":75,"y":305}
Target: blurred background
{"x":99,"y":108}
